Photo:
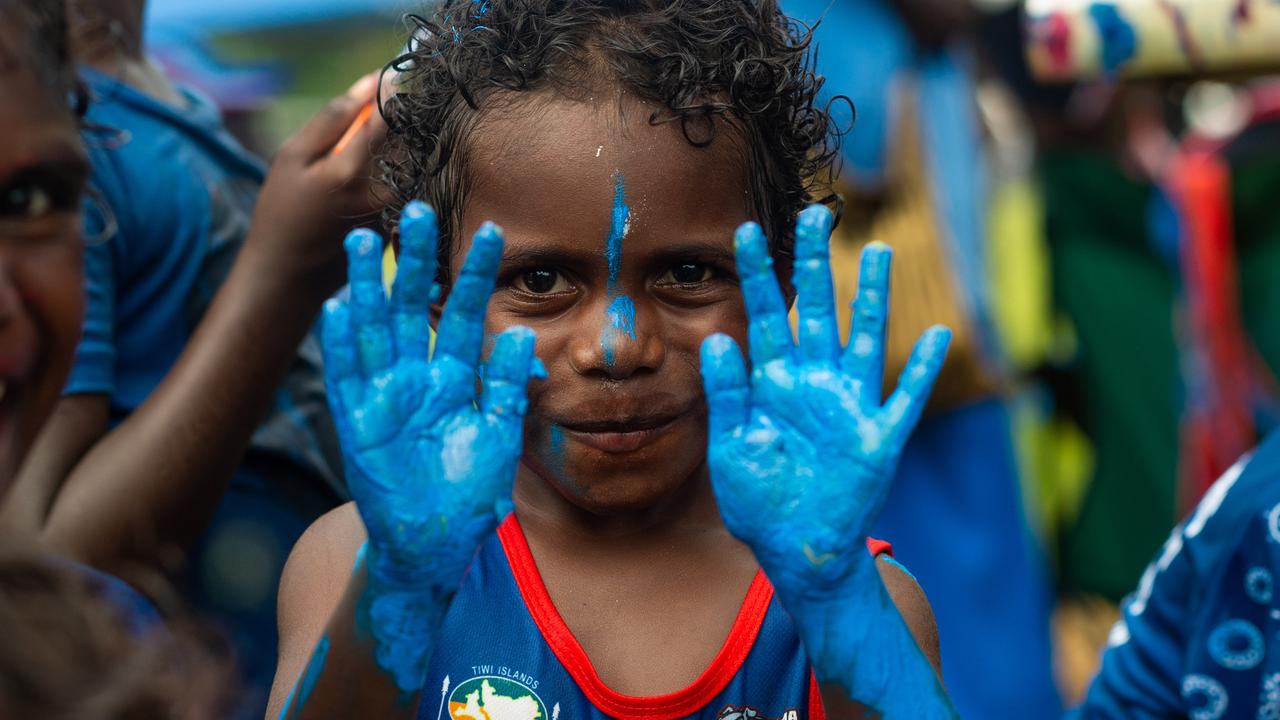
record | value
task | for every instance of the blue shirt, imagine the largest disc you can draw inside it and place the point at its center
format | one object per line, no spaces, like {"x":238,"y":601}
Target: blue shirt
{"x":170,"y":203}
{"x":1200,"y":638}
{"x":504,"y":650}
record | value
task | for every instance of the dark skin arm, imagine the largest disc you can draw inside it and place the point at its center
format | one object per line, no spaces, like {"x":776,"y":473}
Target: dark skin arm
{"x":918,"y":614}
{"x":113,"y":499}
{"x":319,"y":597}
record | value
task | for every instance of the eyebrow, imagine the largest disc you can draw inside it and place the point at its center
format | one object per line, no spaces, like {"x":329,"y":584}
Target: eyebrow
{"x":705,"y":250}
{"x":702,"y":249}
{"x":54,"y":158}
{"x":544,"y":256}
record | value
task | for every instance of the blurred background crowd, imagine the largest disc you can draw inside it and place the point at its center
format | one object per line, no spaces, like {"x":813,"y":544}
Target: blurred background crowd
{"x":1086,"y":192}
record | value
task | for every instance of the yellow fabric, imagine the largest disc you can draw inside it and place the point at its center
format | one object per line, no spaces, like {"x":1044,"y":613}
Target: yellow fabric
{"x":924,"y":290}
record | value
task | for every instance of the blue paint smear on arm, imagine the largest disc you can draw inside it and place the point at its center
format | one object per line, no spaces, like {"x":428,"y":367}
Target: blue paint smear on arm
{"x":301,"y":692}
{"x":1119,"y":39}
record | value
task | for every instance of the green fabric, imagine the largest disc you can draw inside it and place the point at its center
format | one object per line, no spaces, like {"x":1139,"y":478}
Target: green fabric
{"x":1256,"y":195}
{"x":1119,"y":296}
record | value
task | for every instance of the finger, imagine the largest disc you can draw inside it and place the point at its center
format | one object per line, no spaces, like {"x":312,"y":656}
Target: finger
{"x":337,"y":343}
{"x":462,"y":326}
{"x":415,"y":289}
{"x":506,"y":375}
{"x":864,"y":357}
{"x":375,"y":344}
{"x":317,"y":138}
{"x":724,"y":378}
{"x":768,"y":331}
{"x":908,"y":401}
{"x":819,"y":337}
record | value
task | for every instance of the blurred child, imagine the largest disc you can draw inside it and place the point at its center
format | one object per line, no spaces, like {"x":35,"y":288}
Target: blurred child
{"x":684,"y":543}
{"x":194,"y":417}
{"x":77,"y":644}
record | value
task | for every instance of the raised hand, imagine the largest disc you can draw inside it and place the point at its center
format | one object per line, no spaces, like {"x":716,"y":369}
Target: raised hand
{"x":802,"y":450}
{"x":429,"y":465}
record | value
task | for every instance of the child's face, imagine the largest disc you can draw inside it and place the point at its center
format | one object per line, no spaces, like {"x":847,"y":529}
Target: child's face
{"x":619,"y":254}
{"x":42,"y":172}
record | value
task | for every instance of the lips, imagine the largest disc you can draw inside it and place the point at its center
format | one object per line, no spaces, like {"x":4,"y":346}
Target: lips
{"x":620,"y":435}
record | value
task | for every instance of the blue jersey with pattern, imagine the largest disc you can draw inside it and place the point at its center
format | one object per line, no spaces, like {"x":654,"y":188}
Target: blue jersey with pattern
{"x":505,"y":654}
{"x":1200,"y":638}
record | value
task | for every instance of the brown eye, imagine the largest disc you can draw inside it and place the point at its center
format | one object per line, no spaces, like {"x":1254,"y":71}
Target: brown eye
{"x":25,"y":201}
{"x":541,"y":282}
{"x":687,"y":274}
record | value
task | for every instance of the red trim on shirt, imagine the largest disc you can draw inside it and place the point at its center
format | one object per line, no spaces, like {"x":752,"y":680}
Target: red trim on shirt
{"x":879,"y":547}
{"x":816,"y":710}
{"x":671,"y":706}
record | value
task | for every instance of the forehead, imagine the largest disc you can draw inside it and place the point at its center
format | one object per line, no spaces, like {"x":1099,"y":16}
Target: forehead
{"x":552,"y":170}
{"x":34,"y":125}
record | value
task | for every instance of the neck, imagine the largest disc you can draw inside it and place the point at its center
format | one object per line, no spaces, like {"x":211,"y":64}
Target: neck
{"x":544,"y":510}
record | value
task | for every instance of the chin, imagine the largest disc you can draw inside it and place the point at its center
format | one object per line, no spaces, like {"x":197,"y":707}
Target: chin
{"x":623,"y":494}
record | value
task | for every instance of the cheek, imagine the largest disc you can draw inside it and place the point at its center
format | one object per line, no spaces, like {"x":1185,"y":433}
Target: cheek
{"x":685,"y":330}
{"x":51,"y":285}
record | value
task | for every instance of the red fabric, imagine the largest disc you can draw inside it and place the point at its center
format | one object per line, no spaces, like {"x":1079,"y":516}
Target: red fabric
{"x":879,"y":547}
{"x":671,"y":706}
{"x":1217,"y":426}
{"x":816,"y":710}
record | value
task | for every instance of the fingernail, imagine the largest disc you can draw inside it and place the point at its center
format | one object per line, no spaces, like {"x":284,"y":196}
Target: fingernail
{"x":817,"y":216}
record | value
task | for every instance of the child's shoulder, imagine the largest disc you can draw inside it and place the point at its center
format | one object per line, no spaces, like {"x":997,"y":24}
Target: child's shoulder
{"x":321,"y":561}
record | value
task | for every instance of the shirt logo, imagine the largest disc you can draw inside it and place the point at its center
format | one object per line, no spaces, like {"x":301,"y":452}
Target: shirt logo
{"x":745,"y":712}
{"x":490,"y":697}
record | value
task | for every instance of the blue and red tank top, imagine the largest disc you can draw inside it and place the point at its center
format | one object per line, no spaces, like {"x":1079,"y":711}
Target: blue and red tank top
{"x":506,"y":654}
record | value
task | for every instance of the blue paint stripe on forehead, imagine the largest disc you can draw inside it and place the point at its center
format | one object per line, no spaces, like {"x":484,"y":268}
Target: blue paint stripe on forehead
{"x":617,"y":228}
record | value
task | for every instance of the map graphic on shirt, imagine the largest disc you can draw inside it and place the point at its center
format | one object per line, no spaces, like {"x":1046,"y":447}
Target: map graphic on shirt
{"x":495,"y":698}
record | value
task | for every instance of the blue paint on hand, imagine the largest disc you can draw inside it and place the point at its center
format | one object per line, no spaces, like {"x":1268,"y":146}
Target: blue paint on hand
{"x":802,"y":452}
{"x":1119,"y":38}
{"x":428,"y":463}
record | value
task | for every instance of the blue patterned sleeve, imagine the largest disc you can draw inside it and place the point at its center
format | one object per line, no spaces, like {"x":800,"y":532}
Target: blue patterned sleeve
{"x":1192,"y":641}
{"x":94,"y":369}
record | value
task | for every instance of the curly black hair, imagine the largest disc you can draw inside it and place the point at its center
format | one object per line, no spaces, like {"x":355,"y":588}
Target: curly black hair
{"x":34,"y":35}
{"x":742,"y":61}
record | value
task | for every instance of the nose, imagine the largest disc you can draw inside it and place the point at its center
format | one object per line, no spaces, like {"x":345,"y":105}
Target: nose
{"x":626,"y":344}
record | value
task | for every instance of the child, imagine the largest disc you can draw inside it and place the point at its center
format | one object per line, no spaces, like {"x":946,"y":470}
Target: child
{"x":196,"y":360}
{"x":619,"y":144}
{"x":43,"y":169}
{"x":76,"y":643}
